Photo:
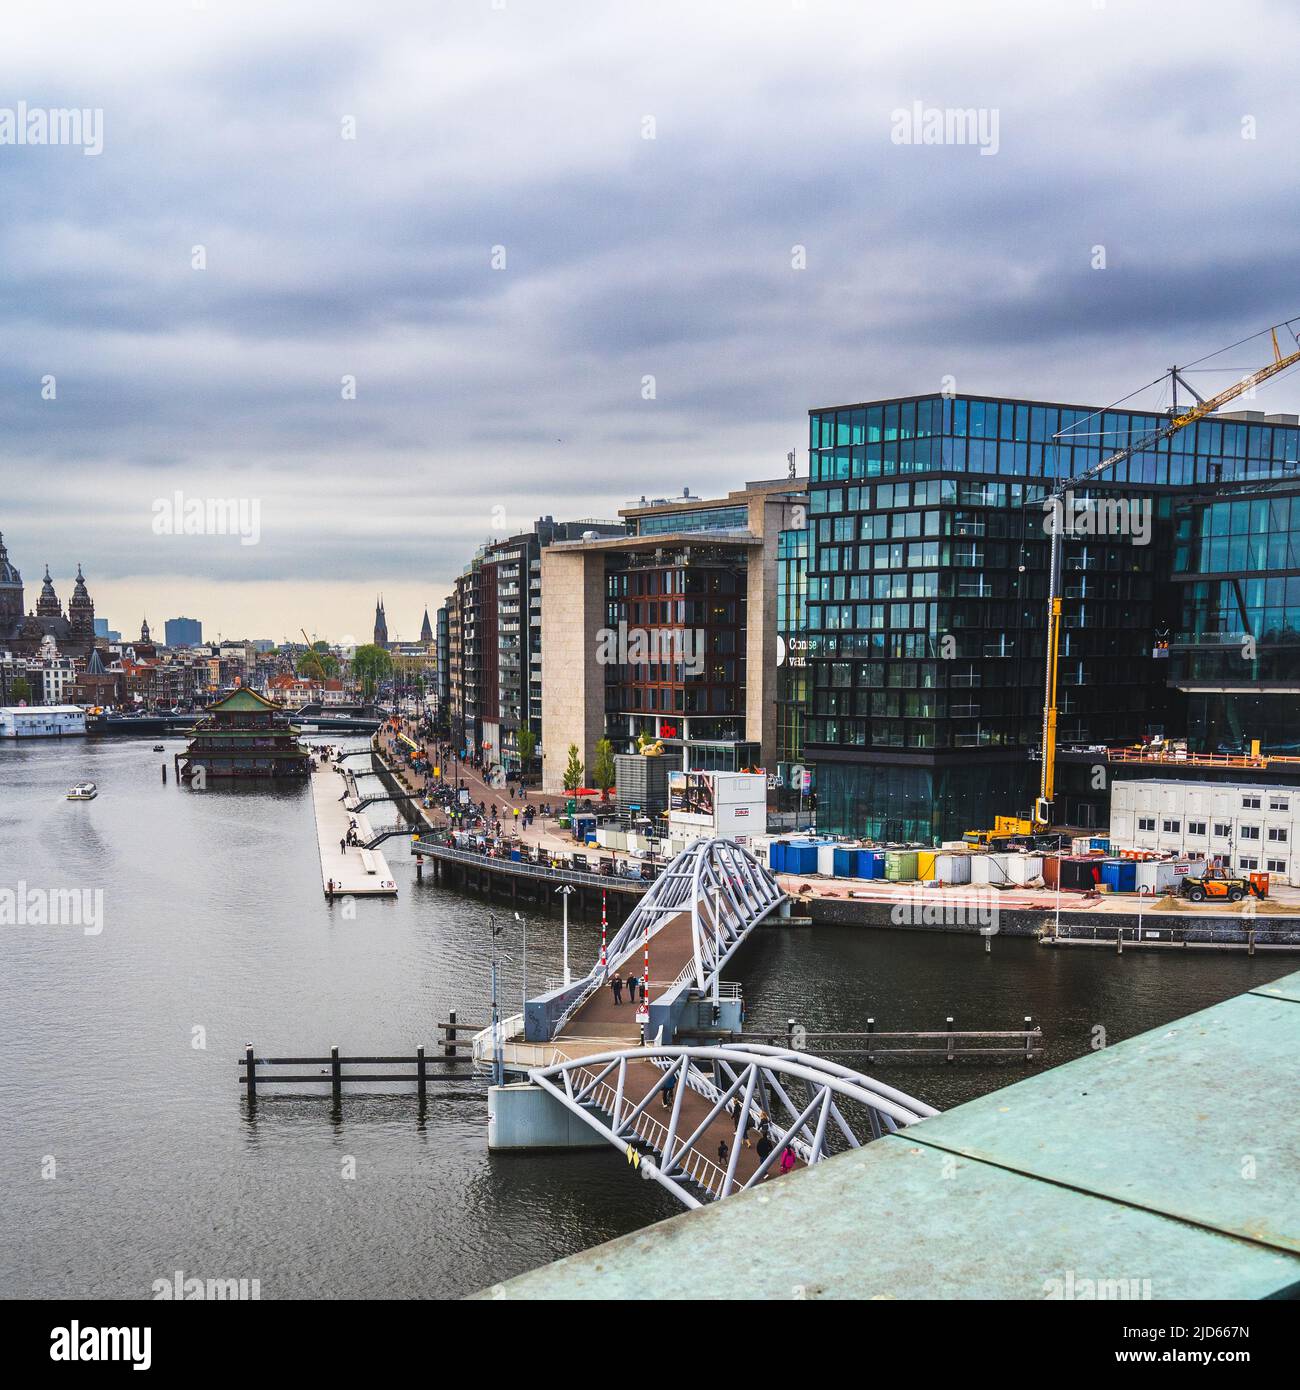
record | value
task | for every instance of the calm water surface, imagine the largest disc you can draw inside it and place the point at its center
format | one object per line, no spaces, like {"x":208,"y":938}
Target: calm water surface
{"x":119,"y":1050}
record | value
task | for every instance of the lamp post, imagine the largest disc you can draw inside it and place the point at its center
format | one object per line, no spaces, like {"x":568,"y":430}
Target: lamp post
{"x":498,"y":1060}
{"x":564,"y":890}
{"x":524,"y":924}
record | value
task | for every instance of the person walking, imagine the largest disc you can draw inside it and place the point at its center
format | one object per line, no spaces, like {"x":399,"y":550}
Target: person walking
{"x":764,"y":1147}
{"x":723,"y":1151}
{"x":631,"y":987}
{"x":666,"y":1094}
{"x":617,"y":986}
{"x":787,"y":1159}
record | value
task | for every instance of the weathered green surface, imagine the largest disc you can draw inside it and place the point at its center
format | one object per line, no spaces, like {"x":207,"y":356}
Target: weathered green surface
{"x":1166,"y":1166}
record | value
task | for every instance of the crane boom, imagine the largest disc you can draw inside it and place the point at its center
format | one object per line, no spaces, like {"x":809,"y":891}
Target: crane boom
{"x":1047,"y":776}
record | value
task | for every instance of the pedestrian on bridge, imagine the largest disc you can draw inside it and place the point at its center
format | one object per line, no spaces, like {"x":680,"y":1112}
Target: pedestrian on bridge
{"x":666,"y":1094}
{"x":632,"y":982}
{"x":617,"y":986}
{"x":787,"y":1159}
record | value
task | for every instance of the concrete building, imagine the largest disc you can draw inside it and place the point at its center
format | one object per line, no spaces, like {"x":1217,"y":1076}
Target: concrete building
{"x":669,"y":633}
{"x":1246,"y":827}
{"x":494,"y":640}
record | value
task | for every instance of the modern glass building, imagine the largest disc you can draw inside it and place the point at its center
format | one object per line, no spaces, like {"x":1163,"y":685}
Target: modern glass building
{"x":1236,"y":652}
{"x":927,"y":581}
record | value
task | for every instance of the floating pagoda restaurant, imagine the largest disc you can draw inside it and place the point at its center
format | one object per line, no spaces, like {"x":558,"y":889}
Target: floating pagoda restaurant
{"x":244,"y":735}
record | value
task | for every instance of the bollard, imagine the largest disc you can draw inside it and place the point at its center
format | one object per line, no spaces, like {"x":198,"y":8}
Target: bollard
{"x":250,"y":1069}
{"x":336,"y":1075}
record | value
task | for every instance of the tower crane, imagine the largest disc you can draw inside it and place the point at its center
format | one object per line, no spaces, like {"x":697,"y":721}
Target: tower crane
{"x":1042,"y":814}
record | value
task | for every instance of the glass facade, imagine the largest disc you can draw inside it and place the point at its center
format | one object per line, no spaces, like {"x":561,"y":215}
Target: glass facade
{"x":706,"y":519}
{"x":926,"y":595}
{"x":1236,"y":651}
{"x":792,"y":663}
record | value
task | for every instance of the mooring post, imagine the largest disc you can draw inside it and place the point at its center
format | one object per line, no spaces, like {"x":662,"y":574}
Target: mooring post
{"x":164,"y":772}
{"x":449,"y":1047}
{"x":419,"y":869}
{"x":336,"y":1075}
{"x":419,"y":1073}
{"x":250,"y":1071}
{"x":789,"y":1033}
{"x":1119,"y":941}
{"x":951,"y":1044}
{"x":871,"y":1028}
{"x":1029,"y":1037}
{"x":1250,"y":941}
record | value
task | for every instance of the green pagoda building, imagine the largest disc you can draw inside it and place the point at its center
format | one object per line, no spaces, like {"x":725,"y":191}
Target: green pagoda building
{"x":244,"y":735}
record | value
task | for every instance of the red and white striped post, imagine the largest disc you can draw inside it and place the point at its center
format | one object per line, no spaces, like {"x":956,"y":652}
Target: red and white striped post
{"x":643,"y":1013}
{"x":603,"y":924}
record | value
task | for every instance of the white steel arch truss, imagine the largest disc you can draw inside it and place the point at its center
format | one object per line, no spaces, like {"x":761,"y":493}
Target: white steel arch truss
{"x":815,"y":1107}
{"x":706,"y":873}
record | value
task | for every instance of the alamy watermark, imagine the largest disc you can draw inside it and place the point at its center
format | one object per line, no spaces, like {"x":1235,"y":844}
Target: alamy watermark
{"x":178,"y":1288}
{"x":60,"y":125}
{"x":52,"y":907}
{"x":641,"y":646}
{"x":919,"y":124}
{"x":179,"y":515}
{"x":1069,"y":515}
{"x":976,"y":909}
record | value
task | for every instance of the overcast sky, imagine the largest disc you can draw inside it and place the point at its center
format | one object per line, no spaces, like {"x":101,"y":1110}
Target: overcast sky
{"x":523,"y":124}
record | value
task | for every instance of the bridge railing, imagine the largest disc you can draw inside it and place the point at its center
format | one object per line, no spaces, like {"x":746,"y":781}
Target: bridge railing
{"x":702,"y":1171}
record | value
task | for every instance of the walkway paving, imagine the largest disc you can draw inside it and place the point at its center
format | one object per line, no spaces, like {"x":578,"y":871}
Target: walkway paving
{"x":346,"y":866}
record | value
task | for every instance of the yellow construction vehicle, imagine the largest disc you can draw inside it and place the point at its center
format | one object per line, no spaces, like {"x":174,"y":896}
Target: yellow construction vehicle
{"x":1042,"y":813}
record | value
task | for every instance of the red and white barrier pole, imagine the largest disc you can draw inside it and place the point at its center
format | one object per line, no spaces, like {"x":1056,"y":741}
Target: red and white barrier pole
{"x":603,"y":925}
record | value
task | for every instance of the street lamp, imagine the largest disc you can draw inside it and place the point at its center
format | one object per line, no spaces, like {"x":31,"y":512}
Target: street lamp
{"x":498,"y":1060}
{"x":564,"y":890}
{"x":524,"y":924}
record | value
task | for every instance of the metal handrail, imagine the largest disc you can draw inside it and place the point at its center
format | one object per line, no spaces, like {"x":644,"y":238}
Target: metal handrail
{"x":701,"y":1170}
{"x":423,"y":845}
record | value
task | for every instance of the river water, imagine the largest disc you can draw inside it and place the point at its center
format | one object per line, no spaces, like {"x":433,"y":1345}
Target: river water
{"x":129,"y":1153}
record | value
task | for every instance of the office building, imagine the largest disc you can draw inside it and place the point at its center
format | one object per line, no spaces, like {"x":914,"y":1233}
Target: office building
{"x":927,"y":590}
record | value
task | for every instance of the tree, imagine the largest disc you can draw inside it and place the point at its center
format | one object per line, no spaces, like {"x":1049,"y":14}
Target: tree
{"x":603,"y":773}
{"x":526,"y":741}
{"x":573,"y":773}
{"x":20,"y":691}
{"x":319,"y":664}
{"x":370,"y":665}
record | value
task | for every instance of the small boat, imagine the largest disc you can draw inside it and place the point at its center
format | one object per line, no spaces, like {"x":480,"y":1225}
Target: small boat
{"x":83,"y":791}
{"x":158,"y":748}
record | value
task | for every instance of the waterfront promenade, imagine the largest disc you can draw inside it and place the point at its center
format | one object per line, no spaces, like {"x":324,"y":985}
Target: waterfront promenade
{"x":355,"y":872}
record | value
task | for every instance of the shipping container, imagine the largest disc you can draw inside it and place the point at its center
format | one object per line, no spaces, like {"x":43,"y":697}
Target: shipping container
{"x":900,"y":865}
{"x":846,"y":861}
{"x":1119,"y":875}
{"x":925,"y":863}
{"x":953,"y":868}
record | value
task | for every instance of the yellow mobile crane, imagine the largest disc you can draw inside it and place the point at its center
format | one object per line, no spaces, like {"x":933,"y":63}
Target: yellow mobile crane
{"x":1042,"y":814}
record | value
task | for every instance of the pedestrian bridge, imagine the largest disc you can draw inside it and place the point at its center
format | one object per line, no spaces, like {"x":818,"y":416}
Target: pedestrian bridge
{"x":691,"y":922}
{"x":706,"y":1122}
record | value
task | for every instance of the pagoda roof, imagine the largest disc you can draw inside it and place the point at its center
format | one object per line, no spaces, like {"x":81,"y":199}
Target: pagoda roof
{"x":245,"y":699}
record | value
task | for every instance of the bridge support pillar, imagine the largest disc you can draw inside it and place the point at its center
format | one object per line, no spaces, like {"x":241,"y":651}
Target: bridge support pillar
{"x":524,"y":1116}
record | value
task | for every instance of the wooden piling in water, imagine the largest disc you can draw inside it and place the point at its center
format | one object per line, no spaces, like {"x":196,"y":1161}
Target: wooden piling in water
{"x":336,"y":1075}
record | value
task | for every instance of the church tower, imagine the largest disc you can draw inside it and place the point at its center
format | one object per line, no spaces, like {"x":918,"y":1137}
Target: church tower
{"x":144,"y":631}
{"x":81,"y":612}
{"x":426,"y":631}
{"x":381,"y":624}
{"x":48,"y":605}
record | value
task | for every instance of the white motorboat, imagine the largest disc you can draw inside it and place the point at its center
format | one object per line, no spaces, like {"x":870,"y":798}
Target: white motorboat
{"x":83,"y":791}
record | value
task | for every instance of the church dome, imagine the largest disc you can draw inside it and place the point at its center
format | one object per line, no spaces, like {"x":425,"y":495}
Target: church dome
{"x":8,"y":574}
